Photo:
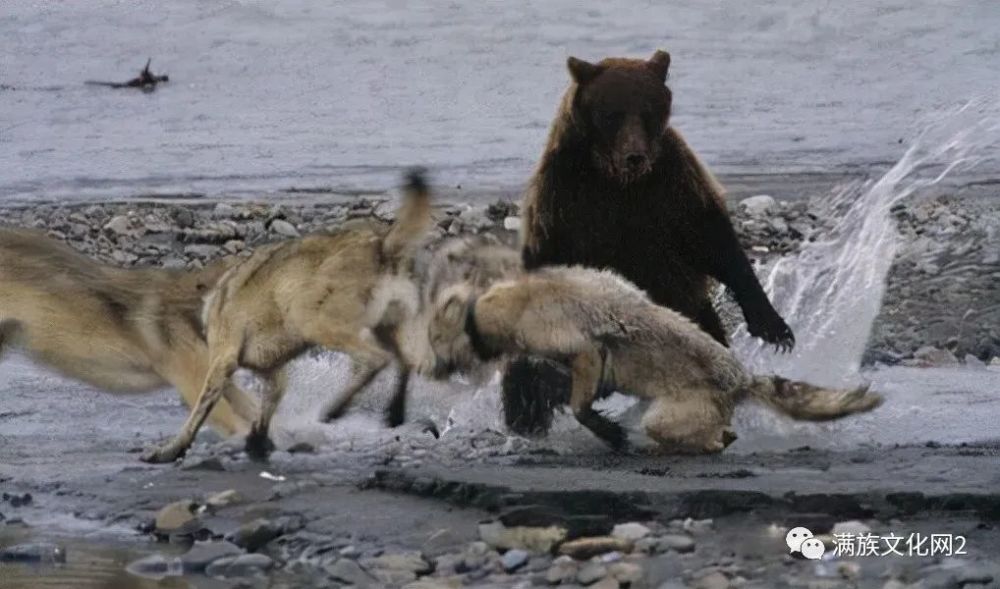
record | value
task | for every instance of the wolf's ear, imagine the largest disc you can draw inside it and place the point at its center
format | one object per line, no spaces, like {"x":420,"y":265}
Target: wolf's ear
{"x":659,"y":63}
{"x":582,"y":71}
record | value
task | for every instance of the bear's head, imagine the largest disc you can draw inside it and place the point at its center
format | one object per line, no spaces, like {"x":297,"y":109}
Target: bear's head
{"x":622,"y":107}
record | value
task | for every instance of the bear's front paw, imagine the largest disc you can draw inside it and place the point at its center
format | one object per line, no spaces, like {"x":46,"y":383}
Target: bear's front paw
{"x":772,"y":329}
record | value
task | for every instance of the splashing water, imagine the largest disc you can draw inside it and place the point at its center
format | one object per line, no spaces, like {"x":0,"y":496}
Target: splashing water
{"x":831,"y":292}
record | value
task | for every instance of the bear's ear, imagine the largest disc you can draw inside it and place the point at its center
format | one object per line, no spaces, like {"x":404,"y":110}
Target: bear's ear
{"x":582,"y":71}
{"x":659,"y":63}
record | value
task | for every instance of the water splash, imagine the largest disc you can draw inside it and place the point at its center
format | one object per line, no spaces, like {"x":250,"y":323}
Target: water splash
{"x":831,"y":291}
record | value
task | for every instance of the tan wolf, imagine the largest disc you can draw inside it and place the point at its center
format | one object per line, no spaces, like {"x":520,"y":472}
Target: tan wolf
{"x":349,"y":291}
{"x":116,"y":329}
{"x":611,"y":335}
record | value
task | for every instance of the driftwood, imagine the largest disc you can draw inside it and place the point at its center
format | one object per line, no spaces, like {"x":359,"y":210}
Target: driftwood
{"x":146,"y":80}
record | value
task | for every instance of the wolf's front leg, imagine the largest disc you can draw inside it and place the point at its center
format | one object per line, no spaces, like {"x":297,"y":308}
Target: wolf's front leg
{"x":219,"y":374}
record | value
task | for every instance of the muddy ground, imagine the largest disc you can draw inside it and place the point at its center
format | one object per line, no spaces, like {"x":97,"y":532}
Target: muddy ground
{"x":356,"y":504}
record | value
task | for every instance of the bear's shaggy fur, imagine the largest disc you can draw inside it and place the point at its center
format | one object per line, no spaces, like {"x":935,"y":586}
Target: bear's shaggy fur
{"x":618,"y":188}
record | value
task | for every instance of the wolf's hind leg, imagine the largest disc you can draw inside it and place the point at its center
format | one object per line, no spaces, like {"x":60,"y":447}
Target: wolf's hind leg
{"x":258,"y":443}
{"x":689,"y":425}
{"x":368,"y":359}
{"x":588,"y":369}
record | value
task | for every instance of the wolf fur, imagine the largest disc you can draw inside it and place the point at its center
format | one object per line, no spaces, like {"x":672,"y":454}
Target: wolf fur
{"x":611,"y":334}
{"x":115,"y":329}
{"x":350,"y":291}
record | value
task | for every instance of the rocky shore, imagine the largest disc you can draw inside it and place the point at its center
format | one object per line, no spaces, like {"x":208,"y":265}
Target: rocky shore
{"x":942,"y":303}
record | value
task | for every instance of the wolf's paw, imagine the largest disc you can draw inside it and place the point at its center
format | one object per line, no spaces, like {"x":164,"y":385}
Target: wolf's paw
{"x":163,"y":454}
{"x":258,"y":446}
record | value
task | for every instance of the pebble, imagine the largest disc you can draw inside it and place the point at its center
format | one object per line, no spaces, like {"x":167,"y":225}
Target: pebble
{"x":156,"y":566}
{"x":852,"y":527}
{"x":759,"y":206}
{"x":584,"y":548}
{"x":349,"y":571}
{"x":177,"y":518}
{"x":224,"y":499}
{"x":411,"y":561}
{"x":714,"y":580}
{"x":40,"y":552}
{"x":512,"y":223}
{"x":514,"y":559}
{"x":284,"y":228}
{"x":563,"y":569}
{"x":630,"y":532}
{"x":201,"y":554}
{"x":676,"y":542}
{"x":626,"y":573}
{"x":244,"y":565}
{"x":255,"y":534}
{"x":590,"y":573}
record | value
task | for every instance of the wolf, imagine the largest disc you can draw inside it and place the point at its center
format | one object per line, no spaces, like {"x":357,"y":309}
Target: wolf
{"x":351,"y":291}
{"x":122,"y":330}
{"x":611,"y":335}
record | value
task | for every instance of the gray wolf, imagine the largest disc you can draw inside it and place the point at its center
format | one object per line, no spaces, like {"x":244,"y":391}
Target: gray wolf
{"x":351,"y":291}
{"x":611,"y":334}
{"x":122,"y":330}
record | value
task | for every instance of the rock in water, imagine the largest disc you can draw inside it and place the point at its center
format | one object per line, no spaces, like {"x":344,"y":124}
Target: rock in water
{"x":177,"y":518}
{"x":201,"y":554}
{"x":40,"y":552}
{"x":244,"y":565}
{"x":156,"y":567}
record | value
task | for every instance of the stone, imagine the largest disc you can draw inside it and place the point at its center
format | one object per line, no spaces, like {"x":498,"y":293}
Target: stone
{"x":972,"y":361}
{"x":201,"y":250}
{"x":224,"y":210}
{"x":590,"y":573}
{"x":758,"y":206}
{"x":852,"y":527}
{"x":201,"y":554}
{"x":713,"y":580}
{"x":38,"y":552}
{"x":253,"y":535}
{"x":849,"y":570}
{"x":399,"y":561}
{"x":563,"y":569}
{"x":156,"y":567}
{"x":606,"y":583}
{"x":284,"y":228}
{"x":244,"y":565}
{"x":348,"y":571}
{"x":584,"y":548}
{"x":533,"y":539}
{"x":630,"y":532}
{"x":224,"y":499}
{"x":930,"y":357}
{"x":207,"y":463}
{"x":183,"y":218}
{"x":121,"y":226}
{"x":676,"y":542}
{"x":626,"y":573}
{"x":514,"y":559}
{"x":177,"y":518}
{"x":512,"y":223}
{"x":453,"y":582}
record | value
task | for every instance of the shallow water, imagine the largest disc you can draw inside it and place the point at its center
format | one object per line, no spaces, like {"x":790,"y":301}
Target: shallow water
{"x":266,"y":95}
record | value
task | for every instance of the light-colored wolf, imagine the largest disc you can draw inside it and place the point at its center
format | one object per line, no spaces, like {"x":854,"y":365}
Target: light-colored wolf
{"x":351,"y":291}
{"x":116,"y":329}
{"x":612,"y":336}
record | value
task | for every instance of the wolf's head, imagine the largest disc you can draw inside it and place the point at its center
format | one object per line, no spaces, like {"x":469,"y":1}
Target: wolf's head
{"x":622,"y":107}
{"x":450,"y":345}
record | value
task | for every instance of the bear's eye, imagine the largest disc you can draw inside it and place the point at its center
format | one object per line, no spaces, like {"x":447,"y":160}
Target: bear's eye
{"x":612,"y":118}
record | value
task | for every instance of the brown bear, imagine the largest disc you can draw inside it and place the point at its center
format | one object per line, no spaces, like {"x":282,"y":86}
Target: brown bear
{"x":618,"y":188}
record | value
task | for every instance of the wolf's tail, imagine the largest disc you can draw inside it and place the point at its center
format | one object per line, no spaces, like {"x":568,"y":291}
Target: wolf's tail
{"x":413,"y":220}
{"x":804,"y":401}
